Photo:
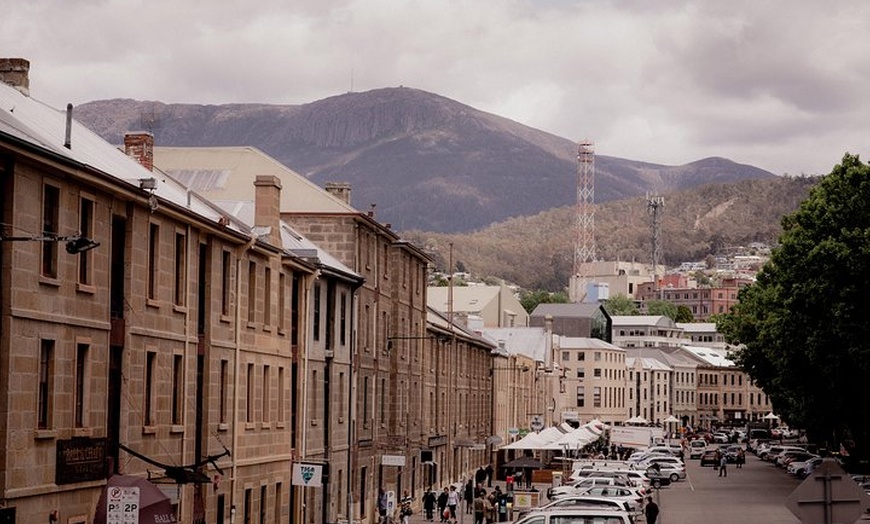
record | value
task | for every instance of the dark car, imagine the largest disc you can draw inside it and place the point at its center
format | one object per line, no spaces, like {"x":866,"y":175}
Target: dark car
{"x":710,"y":458}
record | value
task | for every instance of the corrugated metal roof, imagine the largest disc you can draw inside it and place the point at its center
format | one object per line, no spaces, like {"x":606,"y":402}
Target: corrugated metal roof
{"x":712,"y":356}
{"x":34,"y":122}
{"x":526,"y":341}
{"x":466,"y":299}
{"x":586,"y":343}
{"x":574,"y":310}
{"x":642,"y":320}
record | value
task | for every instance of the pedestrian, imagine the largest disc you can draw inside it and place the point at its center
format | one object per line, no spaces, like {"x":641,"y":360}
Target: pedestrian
{"x":723,"y":466}
{"x":452,"y":502}
{"x":651,"y":511}
{"x":479,"y":509}
{"x":406,"y":510}
{"x":741,"y":458}
{"x":489,"y":473}
{"x":490,"y":507}
{"x":442,"y":505}
{"x":480,"y":476}
{"x":382,"y":504}
{"x":429,"y":503}
{"x":468,"y":496}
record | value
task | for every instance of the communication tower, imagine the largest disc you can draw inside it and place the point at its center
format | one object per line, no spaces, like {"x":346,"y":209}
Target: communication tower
{"x":584,"y":233}
{"x":655,"y":205}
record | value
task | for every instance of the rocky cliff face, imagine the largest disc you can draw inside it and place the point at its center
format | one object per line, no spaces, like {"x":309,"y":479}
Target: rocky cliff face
{"x":426,"y":161}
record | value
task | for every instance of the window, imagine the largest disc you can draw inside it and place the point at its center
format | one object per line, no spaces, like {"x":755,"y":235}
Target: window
{"x":314,"y":406}
{"x":596,"y":397}
{"x":342,"y":322}
{"x":252,"y":291}
{"x":50,"y":228}
{"x":177,"y":388}
{"x":86,"y":230}
{"x":266,"y":387}
{"x":81,"y":384}
{"x":249,"y":404}
{"x":263,"y":495}
{"x":278,"y":494}
{"x":316,"y":321}
{"x":225,"y":365}
{"x":225,"y":283}
{"x":46,"y":384}
{"x":180,"y":281}
{"x":566,"y":356}
{"x":581,"y":356}
{"x":596,"y":372}
{"x":581,"y":396}
{"x":597,"y":356}
{"x":341,"y":394}
{"x":581,"y":374}
{"x":153,"y":259}
{"x":280,"y":394}
{"x":282,"y":300}
{"x":150,"y":359}
{"x":267,"y":297}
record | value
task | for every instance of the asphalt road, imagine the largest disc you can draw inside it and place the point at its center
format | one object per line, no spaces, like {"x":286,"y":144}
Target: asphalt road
{"x":753,"y":494}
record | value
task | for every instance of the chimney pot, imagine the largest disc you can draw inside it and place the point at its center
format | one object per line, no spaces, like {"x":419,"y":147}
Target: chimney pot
{"x":267,"y":206}
{"x":16,"y":73}
{"x":340,"y":190}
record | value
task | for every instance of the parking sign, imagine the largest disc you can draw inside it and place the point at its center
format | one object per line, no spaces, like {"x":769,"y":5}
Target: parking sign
{"x":122,"y":505}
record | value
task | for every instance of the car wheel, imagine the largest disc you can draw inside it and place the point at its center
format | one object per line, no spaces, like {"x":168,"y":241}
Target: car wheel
{"x":674,"y":477}
{"x":657,"y":483}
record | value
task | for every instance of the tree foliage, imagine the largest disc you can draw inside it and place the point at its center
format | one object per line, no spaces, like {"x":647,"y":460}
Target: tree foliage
{"x":802,"y":328}
{"x":620,"y":305}
{"x":531,"y":299}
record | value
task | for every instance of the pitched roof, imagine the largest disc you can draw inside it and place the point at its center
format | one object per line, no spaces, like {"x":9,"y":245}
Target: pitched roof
{"x":208,"y":170}
{"x":466,"y":299}
{"x":710,"y":356}
{"x":526,"y":341}
{"x":573,"y":310}
{"x":641,"y":320}
{"x":37,"y":125}
{"x":586,"y":343}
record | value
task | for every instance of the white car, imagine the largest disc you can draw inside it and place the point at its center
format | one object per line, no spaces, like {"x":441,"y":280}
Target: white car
{"x":633,"y":498}
{"x":562,"y":515}
{"x":697,"y":448}
{"x":573,"y":489}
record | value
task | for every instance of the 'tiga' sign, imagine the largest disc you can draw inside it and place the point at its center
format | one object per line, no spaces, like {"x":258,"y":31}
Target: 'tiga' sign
{"x":310,"y":475}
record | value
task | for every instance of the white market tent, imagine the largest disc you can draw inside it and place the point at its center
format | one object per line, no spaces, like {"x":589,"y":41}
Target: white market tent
{"x":560,"y":437}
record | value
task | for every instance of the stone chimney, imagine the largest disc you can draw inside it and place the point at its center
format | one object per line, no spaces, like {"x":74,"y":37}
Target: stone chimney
{"x":548,"y":343}
{"x":340,"y":190}
{"x":16,"y":73}
{"x":267,"y":206}
{"x":140,"y":147}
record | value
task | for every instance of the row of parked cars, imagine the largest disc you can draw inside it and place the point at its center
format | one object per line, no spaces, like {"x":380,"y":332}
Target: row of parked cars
{"x":796,"y":460}
{"x":609,"y":491}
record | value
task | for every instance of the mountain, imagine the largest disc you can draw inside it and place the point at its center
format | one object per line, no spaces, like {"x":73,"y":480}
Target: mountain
{"x":536,"y":252}
{"x":425,"y":161}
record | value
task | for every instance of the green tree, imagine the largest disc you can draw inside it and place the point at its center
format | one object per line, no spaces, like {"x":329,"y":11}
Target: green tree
{"x":531,"y":299}
{"x":661,"y":307}
{"x":802,"y":329}
{"x":684,"y":315}
{"x":620,"y":305}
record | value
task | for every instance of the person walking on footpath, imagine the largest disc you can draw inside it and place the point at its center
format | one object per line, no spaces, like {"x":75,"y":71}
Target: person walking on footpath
{"x":741,"y":458}
{"x":723,"y":466}
{"x":489,"y":472}
{"x":442,"y":505}
{"x":429,"y":502}
{"x":452,"y":502}
{"x":651,"y":511}
{"x":479,"y":508}
{"x":469,"y":496}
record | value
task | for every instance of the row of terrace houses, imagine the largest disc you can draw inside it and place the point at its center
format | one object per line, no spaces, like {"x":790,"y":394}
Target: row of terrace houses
{"x":208,"y":319}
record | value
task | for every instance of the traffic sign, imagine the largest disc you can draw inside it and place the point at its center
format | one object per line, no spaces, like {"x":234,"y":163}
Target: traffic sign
{"x":122,"y":505}
{"x":537,"y":423}
{"x":828,"y":496}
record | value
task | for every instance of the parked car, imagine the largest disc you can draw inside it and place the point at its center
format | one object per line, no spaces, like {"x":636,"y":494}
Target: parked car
{"x":633,"y":498}
{"x":710,"y":457}
{"x":731,"y":452}
{"x":721,"y":437}
{"x":582,"y":501}
{"x":771,"y":453}
{"x":787,"y":457}
{"x":672,"y":471}
{"x":697,"y":448}
{"x":574,"y":488}
{"x":562,"y":515}
{"x":803,"y":468}
{"x":659,"y":477}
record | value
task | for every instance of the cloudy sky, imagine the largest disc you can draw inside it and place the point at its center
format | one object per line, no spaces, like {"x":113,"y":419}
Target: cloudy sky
{"x":781,"y":84}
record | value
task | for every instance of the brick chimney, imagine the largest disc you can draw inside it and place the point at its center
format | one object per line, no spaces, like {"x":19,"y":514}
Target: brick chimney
{"x":140,"y":147}
{"x":16,"y":73}
{"x":267,"y":206}
{"x":340,"y":190}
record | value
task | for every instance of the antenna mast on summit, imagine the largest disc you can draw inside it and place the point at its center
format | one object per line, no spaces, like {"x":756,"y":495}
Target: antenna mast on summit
{"x":655,"y":205}
{"x":584,"y":233}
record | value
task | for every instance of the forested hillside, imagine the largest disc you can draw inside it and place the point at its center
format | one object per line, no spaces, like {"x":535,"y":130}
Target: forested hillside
{"x":536,"y":252}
